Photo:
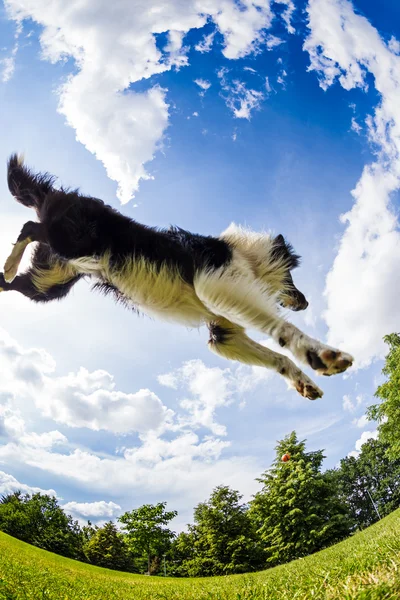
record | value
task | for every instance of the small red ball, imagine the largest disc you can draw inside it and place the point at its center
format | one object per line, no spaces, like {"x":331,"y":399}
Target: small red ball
{"x":286,"y":457}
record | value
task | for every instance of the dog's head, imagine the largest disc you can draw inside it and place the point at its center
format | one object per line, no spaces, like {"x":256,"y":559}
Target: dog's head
{"x":290,"y":296}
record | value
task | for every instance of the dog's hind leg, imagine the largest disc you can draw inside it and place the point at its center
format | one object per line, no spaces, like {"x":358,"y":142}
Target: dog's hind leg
{"x":231,"y":342}
{"x":31,"y":232}
{"x":47,"y":279}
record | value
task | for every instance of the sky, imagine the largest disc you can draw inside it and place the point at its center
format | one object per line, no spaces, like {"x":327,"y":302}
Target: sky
{"x":282,"y":116}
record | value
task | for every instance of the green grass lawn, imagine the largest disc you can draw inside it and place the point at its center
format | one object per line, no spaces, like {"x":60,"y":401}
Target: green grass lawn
{"x":366,"y":567}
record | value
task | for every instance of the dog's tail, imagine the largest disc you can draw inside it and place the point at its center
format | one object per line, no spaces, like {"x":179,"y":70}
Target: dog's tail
{"x":27,"y":188}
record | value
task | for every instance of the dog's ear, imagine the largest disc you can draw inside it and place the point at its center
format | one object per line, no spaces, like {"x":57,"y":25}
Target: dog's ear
{"x":279,"y":240}
{"x":283,"y":250}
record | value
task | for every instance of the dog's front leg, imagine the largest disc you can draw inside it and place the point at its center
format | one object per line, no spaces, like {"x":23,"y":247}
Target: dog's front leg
{"x":324,"y":359}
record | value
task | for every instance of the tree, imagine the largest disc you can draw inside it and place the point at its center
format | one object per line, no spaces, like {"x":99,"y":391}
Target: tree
{"x":297,"y":512}
{"x":107,"y":548}
{"x":146,"y":530}
{"x":222,"y":539}
{"x":39,"y":520}
{"x":387,"y":413}
{"x":371,"y":475}
{"x":14,"y":519}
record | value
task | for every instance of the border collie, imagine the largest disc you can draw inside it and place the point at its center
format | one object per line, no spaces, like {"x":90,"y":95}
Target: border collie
{"x":230,"y":282}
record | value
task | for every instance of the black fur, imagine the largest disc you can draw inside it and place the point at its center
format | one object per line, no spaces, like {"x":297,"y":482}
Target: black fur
{"x":218,"y":334}
{"x":108,"y":289}
{"x":79,"y":226}
{"x":73,"y":226}
{"x":282,"y":249}
{"x":41,"y":259}
{"x":314,"y":361}
{"x":29,"y":189}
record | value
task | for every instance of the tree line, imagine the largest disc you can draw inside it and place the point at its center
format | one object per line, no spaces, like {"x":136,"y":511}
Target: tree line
{"x":298,"y":510}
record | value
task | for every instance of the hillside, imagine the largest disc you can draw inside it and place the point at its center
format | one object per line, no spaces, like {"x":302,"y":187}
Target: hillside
{"x":364,"y":567}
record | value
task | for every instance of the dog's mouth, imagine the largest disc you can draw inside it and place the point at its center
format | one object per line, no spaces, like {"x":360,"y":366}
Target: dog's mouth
{"x":296,"y":302}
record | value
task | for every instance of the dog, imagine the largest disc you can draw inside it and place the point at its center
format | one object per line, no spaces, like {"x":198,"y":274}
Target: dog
{"x":238,"y":280}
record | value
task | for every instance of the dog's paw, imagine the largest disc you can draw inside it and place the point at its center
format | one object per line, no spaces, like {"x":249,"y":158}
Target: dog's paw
{"x":329,"y":362}
{"x":10,"y":269}
{"x":307,"y":388}
{"x":13,"y":261}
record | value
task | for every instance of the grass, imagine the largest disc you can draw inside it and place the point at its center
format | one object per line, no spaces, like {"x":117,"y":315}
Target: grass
{"x":364,"y":567}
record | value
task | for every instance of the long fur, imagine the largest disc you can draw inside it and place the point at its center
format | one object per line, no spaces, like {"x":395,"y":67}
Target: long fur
{"x":229,"y":282}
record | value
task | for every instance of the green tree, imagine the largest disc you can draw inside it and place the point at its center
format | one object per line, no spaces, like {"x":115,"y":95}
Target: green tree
{"x":39,"y":520}
{"x":14,"y":518}
{"x":107,"y":548}
{"x":371,"y":475}
{"x":298,"y":511}
{"x":222,"y":539}
{"x":147,"y":532}
{"x":387,"y":413}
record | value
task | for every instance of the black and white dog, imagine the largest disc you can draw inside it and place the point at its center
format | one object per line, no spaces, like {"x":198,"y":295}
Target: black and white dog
{"x":230,"y":282}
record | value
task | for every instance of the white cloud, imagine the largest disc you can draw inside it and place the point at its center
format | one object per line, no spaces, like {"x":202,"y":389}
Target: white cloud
{"x":203,"y":84}
{"x":172,"y":457}
{"x":355,"y":126}
{"x":394,"y":45}
{"x":206,"y":43}
{"x":12,"y":425}
{"x":241,"y":100}
{"x":210,"y":388}
{"x":361,"y":290}
{"x":281,"y":78}
{"x":46,"y":440}
{"x":8,"y":63}
{"x":273,"y":41}
{"x":85,"y":399}
{"x":350,"y":405}
{"x":365,"y":436}
{"x":361,"y":422}
{"x":168,"y":380}
{"x":93,"y":510}
{"x":113,"y":46}
{"x":8,"y":485}
{"x":81,"y":399}
{"x":287,"y":14}
{"x":185,"y":469}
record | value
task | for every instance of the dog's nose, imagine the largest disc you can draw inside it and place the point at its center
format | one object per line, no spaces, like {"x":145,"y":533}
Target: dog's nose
{"x":301,"y":306}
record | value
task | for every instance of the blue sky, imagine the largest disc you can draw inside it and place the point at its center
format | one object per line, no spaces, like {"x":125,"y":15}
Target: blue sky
{"x":293,"y":122}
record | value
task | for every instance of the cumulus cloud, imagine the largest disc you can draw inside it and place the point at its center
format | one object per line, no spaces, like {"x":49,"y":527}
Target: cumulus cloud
{"x":114,"y":45}
{"x":180,"y":455}
{"x":8,"y":485}
{"x":186,"y":468}
{"x":209,"y":387}
{"x":361,"y":290}
{"x":365,"y":436}
{"x":93,"y":510}
{"x":361,"y":422}
{"x":85,"y":399}
{"x":81,"y":399}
